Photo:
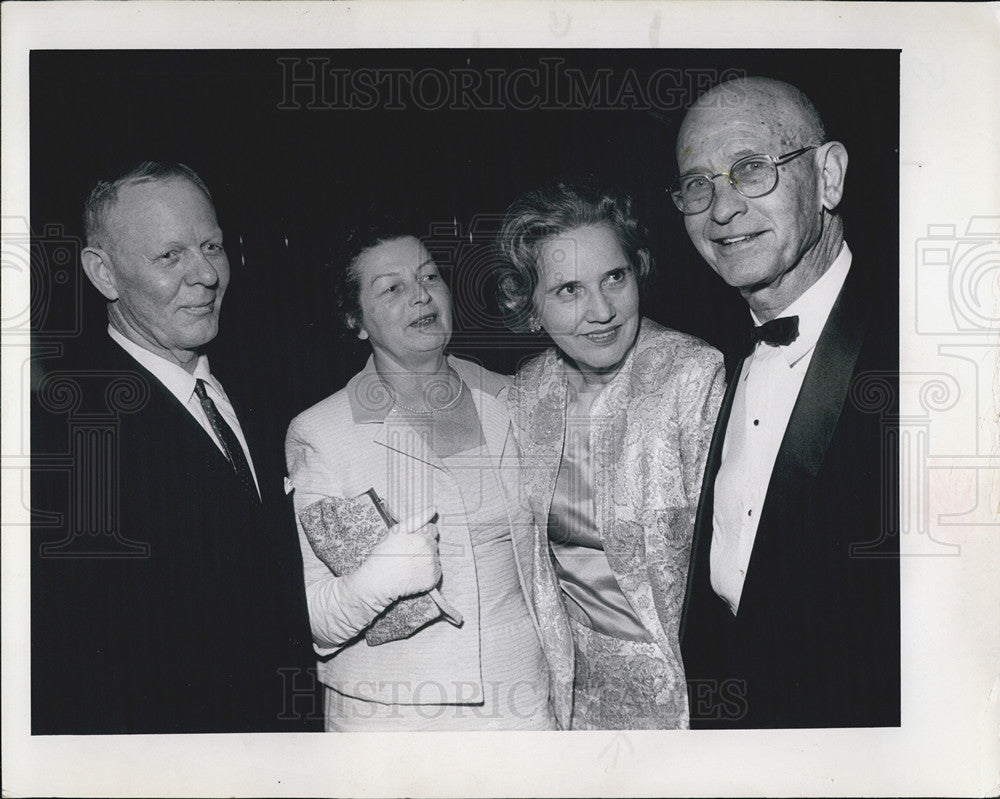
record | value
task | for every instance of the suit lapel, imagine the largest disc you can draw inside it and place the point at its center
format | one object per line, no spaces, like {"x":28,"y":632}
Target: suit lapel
{"x":820,"y":401}
{"x":813,"y":420}
{"x":206,"y":447}
{"x":699,"y":577}
{"x":399,"y":435}
{"x":492,"y":410}
{"x":495,"y":425}
{"x":703,"y":519}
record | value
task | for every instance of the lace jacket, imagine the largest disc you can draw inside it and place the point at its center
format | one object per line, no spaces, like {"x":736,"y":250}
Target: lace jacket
{"x":650,"y":430}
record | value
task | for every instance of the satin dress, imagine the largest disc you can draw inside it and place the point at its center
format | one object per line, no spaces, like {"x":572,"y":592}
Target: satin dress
{"x":607,"y":633}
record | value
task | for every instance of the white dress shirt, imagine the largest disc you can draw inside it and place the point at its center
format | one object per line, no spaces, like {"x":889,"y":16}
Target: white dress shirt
{"x":768,"y":388}
{"x":181,"y":384}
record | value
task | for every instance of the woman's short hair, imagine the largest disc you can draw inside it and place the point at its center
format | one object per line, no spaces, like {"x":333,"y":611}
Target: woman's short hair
{"x":377,"y":229}
{"x":551,"y":211}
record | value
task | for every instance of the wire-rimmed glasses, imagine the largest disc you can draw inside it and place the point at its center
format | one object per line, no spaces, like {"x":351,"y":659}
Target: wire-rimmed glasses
{"x":752,"y":176}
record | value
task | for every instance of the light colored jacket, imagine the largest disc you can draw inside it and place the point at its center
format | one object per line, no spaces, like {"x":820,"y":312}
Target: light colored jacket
{"x":355,"y":440}
{"x":650,"y":430}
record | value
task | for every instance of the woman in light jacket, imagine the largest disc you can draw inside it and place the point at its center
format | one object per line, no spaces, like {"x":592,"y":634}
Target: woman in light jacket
{"x":431,"y":434}
{"x":614,"y":423}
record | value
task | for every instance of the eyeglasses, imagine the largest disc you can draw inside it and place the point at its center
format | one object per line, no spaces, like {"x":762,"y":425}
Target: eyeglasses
{"x":752,"y":176}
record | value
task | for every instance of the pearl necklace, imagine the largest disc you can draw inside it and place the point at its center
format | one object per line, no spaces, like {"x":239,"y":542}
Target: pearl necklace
{"x":446,"y":406}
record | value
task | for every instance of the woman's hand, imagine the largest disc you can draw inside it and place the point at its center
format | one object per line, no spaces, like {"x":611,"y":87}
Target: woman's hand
{"x":406,"y":561}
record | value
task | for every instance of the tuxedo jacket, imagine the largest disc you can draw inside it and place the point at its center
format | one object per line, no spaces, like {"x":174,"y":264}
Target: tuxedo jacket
{"x":164,"y":598}
{"x":816,"y":640}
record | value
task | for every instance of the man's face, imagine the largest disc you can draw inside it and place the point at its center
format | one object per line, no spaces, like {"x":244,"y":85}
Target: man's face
{"x":168,"y":267}
{"x":759,"y":243}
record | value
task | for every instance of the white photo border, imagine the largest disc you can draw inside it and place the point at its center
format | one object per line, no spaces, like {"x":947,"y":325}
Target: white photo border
{"x":949,"y":158}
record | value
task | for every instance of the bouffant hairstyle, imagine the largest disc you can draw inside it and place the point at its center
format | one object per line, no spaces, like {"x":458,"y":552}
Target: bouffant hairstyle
{"x":553,"y":210}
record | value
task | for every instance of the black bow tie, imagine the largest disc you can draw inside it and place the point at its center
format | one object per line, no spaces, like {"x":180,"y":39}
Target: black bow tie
{"x":778,"y":332}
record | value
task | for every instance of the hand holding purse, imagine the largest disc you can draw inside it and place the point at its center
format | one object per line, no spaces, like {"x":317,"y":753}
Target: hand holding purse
{"x":350,"y":536}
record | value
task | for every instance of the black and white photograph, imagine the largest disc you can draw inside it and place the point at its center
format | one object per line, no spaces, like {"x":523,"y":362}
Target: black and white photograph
{"x":616,"y":410}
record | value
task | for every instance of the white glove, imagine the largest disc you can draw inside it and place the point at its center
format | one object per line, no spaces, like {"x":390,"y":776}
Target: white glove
{"x":405,"y":562}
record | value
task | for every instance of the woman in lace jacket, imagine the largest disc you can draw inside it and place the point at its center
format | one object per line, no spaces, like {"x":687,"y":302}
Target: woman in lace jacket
{"x":614,"y":423}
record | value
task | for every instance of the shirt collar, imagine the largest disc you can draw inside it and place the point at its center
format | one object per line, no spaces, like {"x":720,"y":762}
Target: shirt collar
{"x":813,"y":309}
{"x":178,"y":382}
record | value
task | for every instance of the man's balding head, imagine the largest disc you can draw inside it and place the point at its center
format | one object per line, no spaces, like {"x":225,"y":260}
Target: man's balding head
{"x":784,"y":109}
{"x":772,"y":247}
{"x":101,"y":203}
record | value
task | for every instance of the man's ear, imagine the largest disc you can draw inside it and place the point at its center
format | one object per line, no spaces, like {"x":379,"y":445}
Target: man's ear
{"x":97,"y":267}
{"x":833,"y":170}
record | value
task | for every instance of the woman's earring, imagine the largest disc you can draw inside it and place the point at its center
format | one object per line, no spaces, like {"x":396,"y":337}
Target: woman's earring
{"x":534,"y":325}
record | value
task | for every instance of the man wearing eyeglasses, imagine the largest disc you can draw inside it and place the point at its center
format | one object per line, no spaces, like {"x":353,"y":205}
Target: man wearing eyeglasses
{"x":792,"y":611}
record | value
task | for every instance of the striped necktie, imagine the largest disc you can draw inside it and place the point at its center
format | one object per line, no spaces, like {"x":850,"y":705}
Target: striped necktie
{"x":230,"y":444}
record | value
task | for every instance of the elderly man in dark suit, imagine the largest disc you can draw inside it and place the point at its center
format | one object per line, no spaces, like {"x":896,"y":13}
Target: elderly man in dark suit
{"x":792,"y":610}
{"x":167,"y":589}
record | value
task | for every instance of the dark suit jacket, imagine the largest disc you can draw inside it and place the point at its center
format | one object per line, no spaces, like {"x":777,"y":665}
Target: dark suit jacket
{"x":816,"y":640}
{"x":163,"y":597}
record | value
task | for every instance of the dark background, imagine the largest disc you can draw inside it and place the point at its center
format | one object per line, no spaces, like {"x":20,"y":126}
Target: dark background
{"x":289,"y":181}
